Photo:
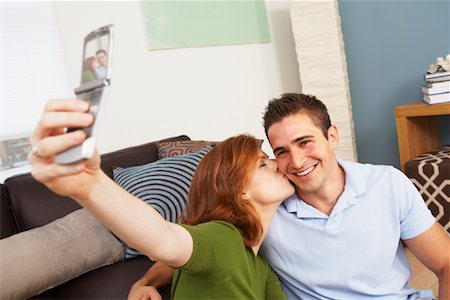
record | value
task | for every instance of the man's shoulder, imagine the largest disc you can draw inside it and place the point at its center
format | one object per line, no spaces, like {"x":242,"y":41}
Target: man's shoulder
{"x":365,"y":176}
{"x":367,"y":169}
{"x":363,"y":164}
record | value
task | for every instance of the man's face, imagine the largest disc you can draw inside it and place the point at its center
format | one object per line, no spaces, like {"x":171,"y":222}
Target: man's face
{"x":102,"y":59}
{"x":303,"y":153}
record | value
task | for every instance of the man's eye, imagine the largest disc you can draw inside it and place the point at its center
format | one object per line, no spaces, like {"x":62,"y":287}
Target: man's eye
{"x":280,"y":154}
{"x":305,"y":142}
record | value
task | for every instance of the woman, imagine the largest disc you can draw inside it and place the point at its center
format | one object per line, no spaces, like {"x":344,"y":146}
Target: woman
{"x":90,"y":66}
{"x":234,"y":194}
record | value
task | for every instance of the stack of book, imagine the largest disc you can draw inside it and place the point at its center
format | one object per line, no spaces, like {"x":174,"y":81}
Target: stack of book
{"x":437,"y":88}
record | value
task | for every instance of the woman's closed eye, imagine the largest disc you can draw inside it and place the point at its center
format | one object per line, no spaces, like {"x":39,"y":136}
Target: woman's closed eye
{"x":262,"y":162}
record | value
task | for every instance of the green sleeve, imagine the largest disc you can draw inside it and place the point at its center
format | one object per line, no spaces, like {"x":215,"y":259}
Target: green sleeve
{"x":273,"y":287}
{"x":213,"y":242}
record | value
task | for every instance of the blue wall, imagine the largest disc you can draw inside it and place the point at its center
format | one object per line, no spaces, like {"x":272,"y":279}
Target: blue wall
{"x":389,"y":45}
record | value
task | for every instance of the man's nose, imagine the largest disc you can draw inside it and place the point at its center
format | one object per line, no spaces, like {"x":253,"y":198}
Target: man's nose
{"x":297,"y":158}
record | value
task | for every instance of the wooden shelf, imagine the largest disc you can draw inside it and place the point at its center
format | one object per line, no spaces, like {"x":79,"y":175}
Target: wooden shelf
{"x":418,"y":128}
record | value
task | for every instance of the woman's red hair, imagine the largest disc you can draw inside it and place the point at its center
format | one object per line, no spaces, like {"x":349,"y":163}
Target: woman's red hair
{"x":218,"y":184}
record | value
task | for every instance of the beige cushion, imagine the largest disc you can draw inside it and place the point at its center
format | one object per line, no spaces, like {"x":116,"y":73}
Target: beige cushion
{"x":36,"y":260}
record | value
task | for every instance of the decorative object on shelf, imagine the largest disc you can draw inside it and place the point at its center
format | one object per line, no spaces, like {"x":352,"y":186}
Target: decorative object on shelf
{"x":437,"y":81}
{"x":440,"y":65}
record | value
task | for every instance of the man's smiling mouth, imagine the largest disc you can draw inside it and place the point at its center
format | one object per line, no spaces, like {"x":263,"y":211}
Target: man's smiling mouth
{"x":306,"y":171}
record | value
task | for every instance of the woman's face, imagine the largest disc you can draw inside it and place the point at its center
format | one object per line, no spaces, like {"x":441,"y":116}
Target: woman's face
{"x":267,"y":185}
{"x":94,"y":64}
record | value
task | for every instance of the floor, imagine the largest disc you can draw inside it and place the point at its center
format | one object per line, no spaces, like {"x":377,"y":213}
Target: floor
{"x":422,"y":278}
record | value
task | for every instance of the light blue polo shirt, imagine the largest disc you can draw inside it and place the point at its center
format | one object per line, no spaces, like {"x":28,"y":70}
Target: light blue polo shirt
{"x":355,"y":253}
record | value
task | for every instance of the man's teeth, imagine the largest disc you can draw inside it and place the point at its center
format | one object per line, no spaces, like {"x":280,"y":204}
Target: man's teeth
{"x":305,"y":172}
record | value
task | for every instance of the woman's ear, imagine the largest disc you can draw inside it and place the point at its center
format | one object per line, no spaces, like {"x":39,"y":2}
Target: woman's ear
{"x":245,"y":196}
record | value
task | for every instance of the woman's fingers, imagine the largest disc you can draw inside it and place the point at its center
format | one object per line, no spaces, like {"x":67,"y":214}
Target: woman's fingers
{"x":67,"y":105}
{"x":50,"y":138}
{"x":46,"y":173}
{"x":52,"y":145}
{"x":52,"y":119}
{"x":60,"y":114}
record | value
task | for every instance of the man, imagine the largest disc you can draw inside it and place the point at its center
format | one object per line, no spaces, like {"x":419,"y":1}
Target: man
{"x":346,"y":219}
{"x":102,"y":59}
{"x":339,"y":236}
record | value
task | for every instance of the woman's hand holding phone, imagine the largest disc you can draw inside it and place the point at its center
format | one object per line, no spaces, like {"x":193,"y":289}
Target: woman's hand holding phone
{"x":50,"y":137}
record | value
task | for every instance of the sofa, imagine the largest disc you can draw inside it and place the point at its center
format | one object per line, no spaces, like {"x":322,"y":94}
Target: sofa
{"x":27,"y":204}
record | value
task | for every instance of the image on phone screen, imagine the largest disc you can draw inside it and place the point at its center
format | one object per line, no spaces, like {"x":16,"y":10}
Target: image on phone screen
{"x":95,"y":57}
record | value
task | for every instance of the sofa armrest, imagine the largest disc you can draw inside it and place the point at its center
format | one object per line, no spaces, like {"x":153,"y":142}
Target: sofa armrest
{"x":33,"y":204}
{"x":7,"y":224}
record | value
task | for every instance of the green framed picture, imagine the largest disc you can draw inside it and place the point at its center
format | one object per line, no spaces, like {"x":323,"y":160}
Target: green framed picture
{"x":195,"y":23}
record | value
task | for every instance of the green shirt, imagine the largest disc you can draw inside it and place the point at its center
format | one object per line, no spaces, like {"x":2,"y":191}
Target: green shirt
{"x":221,"y":267}
{"x":88,"y":76}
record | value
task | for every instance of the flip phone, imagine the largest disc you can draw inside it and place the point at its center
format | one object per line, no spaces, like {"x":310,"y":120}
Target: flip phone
{"x":94,"y":88}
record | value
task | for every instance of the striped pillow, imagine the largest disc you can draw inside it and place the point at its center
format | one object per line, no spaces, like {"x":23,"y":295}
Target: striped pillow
{"x":163,"y":184}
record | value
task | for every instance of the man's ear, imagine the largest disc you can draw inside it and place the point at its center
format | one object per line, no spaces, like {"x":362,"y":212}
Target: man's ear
{"x":333,"y":136}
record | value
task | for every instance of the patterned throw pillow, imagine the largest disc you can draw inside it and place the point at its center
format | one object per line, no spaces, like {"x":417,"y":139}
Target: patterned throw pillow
{"x":163,"y":184}
{"x":176,"y":148}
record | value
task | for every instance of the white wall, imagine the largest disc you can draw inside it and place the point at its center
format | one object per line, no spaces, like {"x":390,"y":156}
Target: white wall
{"x":206,"y":92}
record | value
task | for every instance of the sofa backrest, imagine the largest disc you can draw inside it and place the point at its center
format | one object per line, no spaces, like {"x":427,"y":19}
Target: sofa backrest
{"x":134,"y":156}
{"x":26,"y":203}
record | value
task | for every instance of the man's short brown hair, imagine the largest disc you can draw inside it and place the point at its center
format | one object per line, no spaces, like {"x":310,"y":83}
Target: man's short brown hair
{"x":292,"y":103}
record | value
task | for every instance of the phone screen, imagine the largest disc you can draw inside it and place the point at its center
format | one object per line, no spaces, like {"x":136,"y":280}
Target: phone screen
{"x":96,"y":58}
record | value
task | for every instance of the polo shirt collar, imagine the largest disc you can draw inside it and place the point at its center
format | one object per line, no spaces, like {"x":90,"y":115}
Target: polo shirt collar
{"x":355,"y":185}
{"x":355,"y":177}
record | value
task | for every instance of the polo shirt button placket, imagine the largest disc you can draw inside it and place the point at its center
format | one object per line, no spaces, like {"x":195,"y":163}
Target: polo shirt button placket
{"x":332,"y":224}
